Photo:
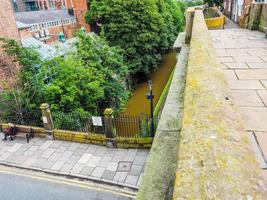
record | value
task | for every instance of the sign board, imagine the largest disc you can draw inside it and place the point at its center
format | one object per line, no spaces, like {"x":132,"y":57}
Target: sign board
{"x":97,"y":121}
{"x":45,"y":120}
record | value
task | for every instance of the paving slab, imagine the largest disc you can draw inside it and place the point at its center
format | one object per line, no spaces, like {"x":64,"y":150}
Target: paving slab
{"x":245,"y":84}
{"x":230,"y":74}
{"x":240,"y":65}
{"x":248,"y":49}
{"x":251,"y":74}
{"x":262,"y":140}
{"x":255,"y":118}
{"x":80,"y":160}
{"x":247,"y":98}
{"x":263,"y":95}
{"x":257,"y":65}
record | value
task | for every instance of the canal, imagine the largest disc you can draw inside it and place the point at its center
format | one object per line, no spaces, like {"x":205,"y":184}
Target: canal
{"x":138,"y":103}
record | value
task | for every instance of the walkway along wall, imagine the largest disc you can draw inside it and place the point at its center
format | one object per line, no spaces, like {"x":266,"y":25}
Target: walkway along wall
{"x":205,"y":152}
{"x":215,"y":157}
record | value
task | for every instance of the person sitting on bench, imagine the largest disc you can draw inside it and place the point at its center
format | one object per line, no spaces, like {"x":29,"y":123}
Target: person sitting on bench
{"x":10,"y":132}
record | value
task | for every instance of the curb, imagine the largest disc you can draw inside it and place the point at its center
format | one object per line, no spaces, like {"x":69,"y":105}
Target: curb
{"x":72,"y":176}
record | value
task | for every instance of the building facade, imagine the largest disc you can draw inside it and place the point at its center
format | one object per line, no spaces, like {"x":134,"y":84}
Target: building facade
{"x":7,"y":21}
{"x":239,"y":10}
{"x":34,"y":5}
{"x":46,"y":25}
{"x":235,"y":9}
{"x":78,"y":8}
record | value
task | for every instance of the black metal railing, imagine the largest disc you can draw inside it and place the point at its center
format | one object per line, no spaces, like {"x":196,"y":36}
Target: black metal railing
{"x":76,"y":122}
{"x":122,"y":125}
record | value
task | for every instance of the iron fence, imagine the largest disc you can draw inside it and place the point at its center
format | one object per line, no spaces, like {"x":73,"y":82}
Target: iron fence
{"x":27,"y":118}
{"x":122,"y":125}
{"x":80,"y":122}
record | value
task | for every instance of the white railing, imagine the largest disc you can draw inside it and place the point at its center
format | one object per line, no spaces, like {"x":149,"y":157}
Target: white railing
{"x":49,"y":24}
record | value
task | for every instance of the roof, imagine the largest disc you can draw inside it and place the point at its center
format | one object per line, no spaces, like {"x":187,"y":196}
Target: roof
{"x":47,"y":51}
{"x":40,"y":16}
{"x":21,"y":25}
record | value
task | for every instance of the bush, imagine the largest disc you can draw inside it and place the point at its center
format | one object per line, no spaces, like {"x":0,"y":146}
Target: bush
{"x":144,"y":29}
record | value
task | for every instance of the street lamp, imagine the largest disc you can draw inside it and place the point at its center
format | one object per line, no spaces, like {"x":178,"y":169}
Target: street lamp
{"x":150,"y":97}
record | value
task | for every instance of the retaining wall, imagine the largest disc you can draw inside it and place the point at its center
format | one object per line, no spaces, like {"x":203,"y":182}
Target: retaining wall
{"x":90,"y":138}
{"x":159,"y":174}
{"x":215,"y":157}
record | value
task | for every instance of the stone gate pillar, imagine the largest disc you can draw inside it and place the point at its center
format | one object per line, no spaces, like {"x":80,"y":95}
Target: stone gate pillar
{"x":109,"y":128}
{"x":47,"y":121}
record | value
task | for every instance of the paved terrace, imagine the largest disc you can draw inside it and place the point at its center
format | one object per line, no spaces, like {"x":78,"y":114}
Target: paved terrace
{"x":116,"y":166}
{"x":243,"y":55}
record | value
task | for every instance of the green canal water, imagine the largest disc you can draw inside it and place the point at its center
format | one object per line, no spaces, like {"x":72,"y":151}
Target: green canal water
{"x":138,"y":103}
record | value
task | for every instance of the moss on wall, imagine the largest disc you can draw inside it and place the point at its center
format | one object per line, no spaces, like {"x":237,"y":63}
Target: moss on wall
{"x":215,"y":157}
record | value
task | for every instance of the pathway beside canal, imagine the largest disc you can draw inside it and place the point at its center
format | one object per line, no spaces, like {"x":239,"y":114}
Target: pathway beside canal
{"x":138,"y":103}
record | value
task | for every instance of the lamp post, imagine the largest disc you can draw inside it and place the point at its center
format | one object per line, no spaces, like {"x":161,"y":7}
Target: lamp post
{"x":150,"y":97}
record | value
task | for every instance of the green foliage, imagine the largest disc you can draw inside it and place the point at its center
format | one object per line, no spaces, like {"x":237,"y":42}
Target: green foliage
{"x":216,"y":2}
{"x":85,"y":81}
{"x":26,"y":93}
{"x":88,"y":80}
{"x":194,"y":3}
{"x":163,"y":96}
{"x":144,"y":29}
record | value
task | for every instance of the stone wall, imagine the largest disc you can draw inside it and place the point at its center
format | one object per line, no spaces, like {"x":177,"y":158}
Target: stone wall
{"x":90,"y":138}
{"x":159,"y":174}
{"x":258,"y":17}
{"x":7,"y":20}
{"x":263,"y":19}
{"x":215,"y":157}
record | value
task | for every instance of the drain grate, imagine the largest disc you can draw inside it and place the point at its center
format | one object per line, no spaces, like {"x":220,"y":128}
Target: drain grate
{"x":124,"y":166}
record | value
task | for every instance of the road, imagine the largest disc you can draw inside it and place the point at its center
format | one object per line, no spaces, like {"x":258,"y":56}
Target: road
{"x":21,"y":185}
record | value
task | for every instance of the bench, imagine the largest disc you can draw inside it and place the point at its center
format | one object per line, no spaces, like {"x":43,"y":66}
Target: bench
{"x":24,"y":131}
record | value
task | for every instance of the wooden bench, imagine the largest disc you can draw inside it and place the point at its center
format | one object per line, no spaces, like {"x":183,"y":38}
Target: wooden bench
{"x":24,"y":131}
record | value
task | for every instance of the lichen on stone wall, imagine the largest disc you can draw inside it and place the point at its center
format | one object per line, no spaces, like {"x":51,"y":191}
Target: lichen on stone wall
{"x":215,"y":159}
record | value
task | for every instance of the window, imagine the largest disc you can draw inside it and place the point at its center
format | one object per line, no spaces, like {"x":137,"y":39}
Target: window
{"x":31,"y":6}
{"x":259,"y":1}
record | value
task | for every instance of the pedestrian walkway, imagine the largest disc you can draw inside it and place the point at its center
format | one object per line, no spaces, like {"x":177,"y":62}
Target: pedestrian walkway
{"x":116,"y":166}
{"x":229,"y":24}
{"x":243,"y":55}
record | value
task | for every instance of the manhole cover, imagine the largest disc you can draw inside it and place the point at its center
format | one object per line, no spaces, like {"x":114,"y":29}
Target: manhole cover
{"x":124,"y":166}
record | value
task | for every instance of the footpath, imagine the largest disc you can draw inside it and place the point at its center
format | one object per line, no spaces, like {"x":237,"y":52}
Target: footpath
{"x":122,"y":167}
{"x":243,"y":56}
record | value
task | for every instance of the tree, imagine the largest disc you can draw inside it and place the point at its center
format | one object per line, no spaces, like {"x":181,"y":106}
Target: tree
{"x":87,"y":80}
{"x":143,"y":28}
{"x":22,"y":90}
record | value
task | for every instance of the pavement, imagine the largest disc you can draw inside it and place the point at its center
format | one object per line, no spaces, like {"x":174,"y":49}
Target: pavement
{"x":243,"y":57}
{"x":122,"y":167}
{"x":26,"y":185}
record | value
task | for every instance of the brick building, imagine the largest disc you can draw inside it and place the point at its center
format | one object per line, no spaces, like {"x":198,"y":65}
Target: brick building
{"x":7,"y":21}
{"x":234,"y":9}
{"x":33,"y":5}
{"x":79,"y":8}
{"x":238,"y":10}
{"x":46,"y":25}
